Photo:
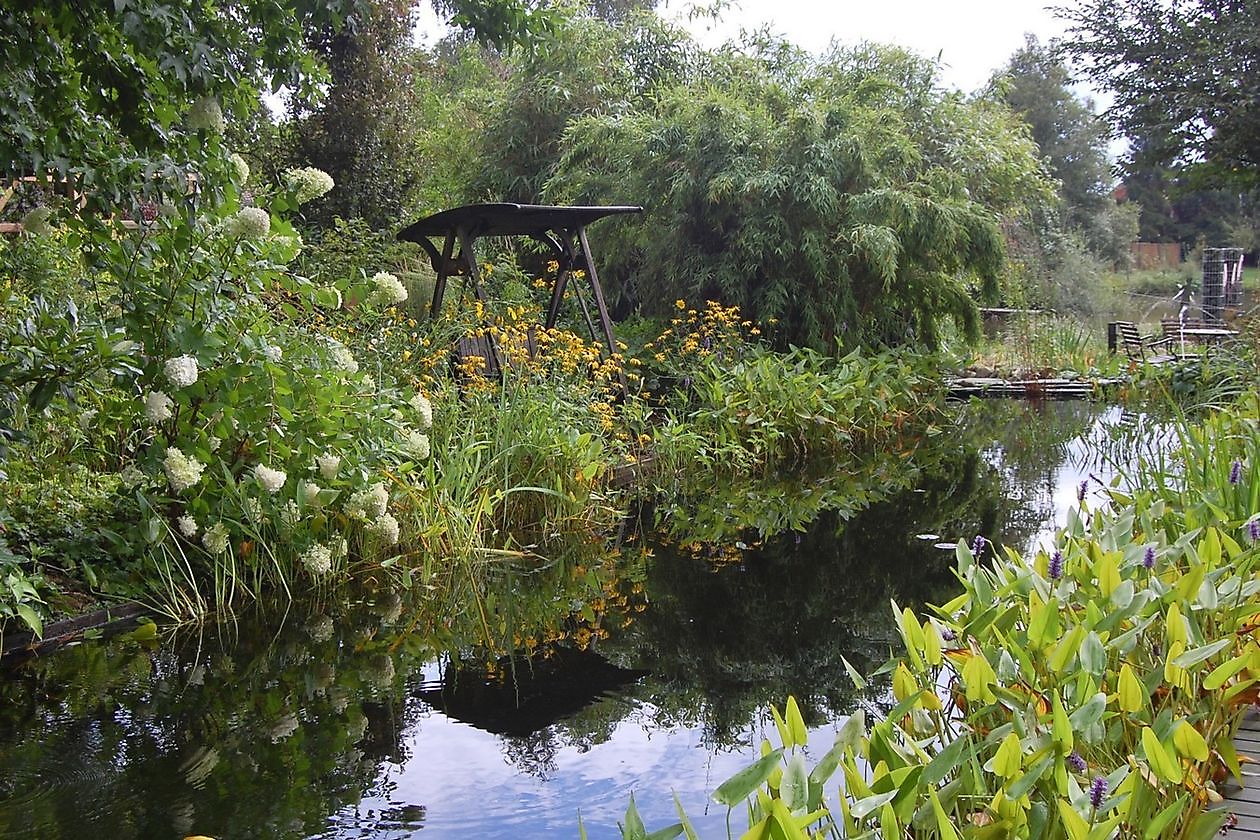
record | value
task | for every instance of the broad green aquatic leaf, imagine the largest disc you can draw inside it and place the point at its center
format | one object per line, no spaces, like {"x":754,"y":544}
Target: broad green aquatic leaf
{"x":1061,"y":727}
{"x":1174,"y":626}
{"x":794,"y":788}
{"x":738,"y":787}
{"x":1066,"y":649}
{"x":1089,"y":713}
{"x":1107,"y":571}
{"x":669,"y":832}
{"x":1075,"y":824}
{"x":785,"y":734}
{"x":858,"y":681}
{"x":943,"y":824}
{"x":1207,"y":824}
{"x":868,"y":804}
{"x":1189,"y":742}
{"x":1008,"y":759}
{"x":946,"y":760}
{"x":1132,"y":695}
{"x":634,"y":828}
{"x":1162,"y":765}
{"x":978,"y":679}
{"x":1196,"y":655}
{"x":796,"y":723}
{"x":1093,"y":657}
{"x":1025,"y":783}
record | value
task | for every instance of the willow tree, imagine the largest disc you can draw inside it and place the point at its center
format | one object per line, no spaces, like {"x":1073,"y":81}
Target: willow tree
{"x":847,"y":197}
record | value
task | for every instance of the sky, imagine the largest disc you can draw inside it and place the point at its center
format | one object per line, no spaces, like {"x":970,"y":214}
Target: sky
{"x":972,"y":37}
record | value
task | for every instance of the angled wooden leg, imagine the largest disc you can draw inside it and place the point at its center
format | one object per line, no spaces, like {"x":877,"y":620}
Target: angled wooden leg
{"x":443,"y":271}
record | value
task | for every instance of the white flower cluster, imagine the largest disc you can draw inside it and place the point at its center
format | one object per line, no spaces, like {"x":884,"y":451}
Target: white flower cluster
{"x":290,"y":515}
{"x":387,"y":290}
{"x":249,"y":223}
{"x":271,"y":480}
{"x":424,"y":409}
{"x":181,"y":371}
{"x":241,"y":169}
{"x":182,"y":471}
{"x":386,"y":528}
{"x":215,"y":538}
{"x":207,"y":115}
{"x":369,"y":503}
{"x":318,"y":560}
{"x":187,"y":526}
{"x":343,"y":359}
{"x":272,"y":353}
{"x":131,"y":477}
{"x":415,"y":444}
{"x":157,"y":407}
{"x":253,"y":510}
{"x":328,"y":465}
{"x":308,"y":183}
{"x":310,"y":494}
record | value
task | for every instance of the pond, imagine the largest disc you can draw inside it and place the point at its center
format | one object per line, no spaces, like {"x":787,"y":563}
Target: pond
{"x":506,"y":701}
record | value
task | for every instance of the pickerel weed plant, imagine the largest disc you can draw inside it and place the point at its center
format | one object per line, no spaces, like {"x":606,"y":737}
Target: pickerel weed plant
{"x":1085,"y":693}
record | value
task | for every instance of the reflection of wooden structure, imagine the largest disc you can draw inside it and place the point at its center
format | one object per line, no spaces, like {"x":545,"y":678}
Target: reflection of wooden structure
{"x":561,"y":229}
{"x":1222,"y":281}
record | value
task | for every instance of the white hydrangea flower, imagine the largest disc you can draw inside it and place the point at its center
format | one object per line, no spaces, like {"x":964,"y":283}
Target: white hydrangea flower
{"x":207,"y":115}
{"x":131,"y":477}
{"x":328,"y":464}
{"x":181,"y":371}
{"x":308,"y":183}
{"x":310,"y":494}
{"x":249,"y":223}
{"x":187,"y":526}
{"x":415,"y":444}
{"x":157,"y":407}
{"x":272,"y":353}
{"x":182,"y":471}
{"x":369,"y":503}
{"x":343,"y":359}
{"x":215,"y":538}
{"x":387,"y":290}
{"x":271,"y":480}
{"x":386,"y":528}
{"x":424,"y":409}
{"x":318,"y":560}
{"x":241,"y":169}
{"x":341,"y":548}
{"x":214,"y":442}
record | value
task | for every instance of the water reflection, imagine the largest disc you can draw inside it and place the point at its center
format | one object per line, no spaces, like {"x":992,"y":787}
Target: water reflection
{"x":500,"y":700}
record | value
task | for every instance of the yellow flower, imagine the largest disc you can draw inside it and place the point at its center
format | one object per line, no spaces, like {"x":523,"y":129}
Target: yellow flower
{"x":680,"y":304}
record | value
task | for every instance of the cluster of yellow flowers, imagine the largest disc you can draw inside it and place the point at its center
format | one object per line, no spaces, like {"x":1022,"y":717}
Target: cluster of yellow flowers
{"x":695,"y":333}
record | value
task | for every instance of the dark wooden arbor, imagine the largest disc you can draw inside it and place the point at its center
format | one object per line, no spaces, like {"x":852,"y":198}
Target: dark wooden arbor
{"x":561,"y":229}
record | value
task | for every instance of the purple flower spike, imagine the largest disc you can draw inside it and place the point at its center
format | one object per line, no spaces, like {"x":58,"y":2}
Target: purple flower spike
{"x":1235,"y":472}
{"x":1080,"y":491}
{"x":1148,"y":560}
{"x":948,"y":635}
{"x":978,"y":544}
{"x":1097,"y":792}
{"x":1055,"y":569}
{"x":1075,"y":762}
{"x":1253,"y":529}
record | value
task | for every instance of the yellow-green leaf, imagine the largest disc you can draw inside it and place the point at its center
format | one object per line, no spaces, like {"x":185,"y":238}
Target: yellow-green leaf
{"x":1132,"y":696}
{"x":1075,"y":824}
{"x":1162,"y":764}
{"x":1008,"y":759}
{"x":1223,"y":672}
{"x":796,"y":723}
{"x":978,"y":679}
{"x":1189,"y":742}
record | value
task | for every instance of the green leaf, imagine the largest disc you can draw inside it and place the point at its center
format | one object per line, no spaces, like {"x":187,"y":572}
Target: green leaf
{"x":869,"y":804}
{"x":1196,"y":655}
{"x":1223,"y":672}
{"x":31,"y":619}
{"x":738,"y":787}
{"x":1163,"y":819}
{"x":1162,"y":765}
{"x":796,"y":723}
{"x":1090,"y":713}
{"x":1189,"y":742}
{"x":794,"y":789}
{"x":946,"y":760}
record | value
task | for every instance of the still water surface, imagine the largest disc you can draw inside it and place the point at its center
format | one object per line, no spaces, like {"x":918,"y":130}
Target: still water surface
{"x":646,"y":667}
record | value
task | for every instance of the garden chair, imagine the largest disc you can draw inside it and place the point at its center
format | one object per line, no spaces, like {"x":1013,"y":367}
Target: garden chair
{"x":1149,"y":350}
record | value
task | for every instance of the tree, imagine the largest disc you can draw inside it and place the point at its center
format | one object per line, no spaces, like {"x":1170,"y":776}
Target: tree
{"x":1187,"y":71}
{"x":849,"y":197}
{"x":130,"y":94}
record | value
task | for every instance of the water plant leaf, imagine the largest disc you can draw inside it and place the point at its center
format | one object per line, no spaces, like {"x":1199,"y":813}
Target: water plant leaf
{"x":794,"y":789}
{"x":868,"y":804}
{"x":978,"y":679}
{"x":1189,"y":742}
{"x":1066,"y":649}
{"x":1196,"y":655}
{"x":633,"y":828}
{"x":943,"y":824}
{"x":1163,"y":765}
{"x":1008,"y":759}
{"x":1025,"y":783}
{"x":738,"y":787}
{"x":945,"y":760}
{"x":1089,"y":713}
{"x":669,"y":832}
{"x":1075,"y":824}
{"x":1132,"y":695}
{"x":1223,"y":672}
{"x":1093,"y":657}
{"x":858,"y":681}
{"x":796,"y":723}
{"x":684,"y":820}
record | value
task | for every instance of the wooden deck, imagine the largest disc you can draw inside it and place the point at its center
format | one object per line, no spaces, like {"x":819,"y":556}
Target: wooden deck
{"x":1244,"y":801}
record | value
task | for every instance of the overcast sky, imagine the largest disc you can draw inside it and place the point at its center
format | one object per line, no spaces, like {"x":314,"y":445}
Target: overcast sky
{"x":972,"y":37}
